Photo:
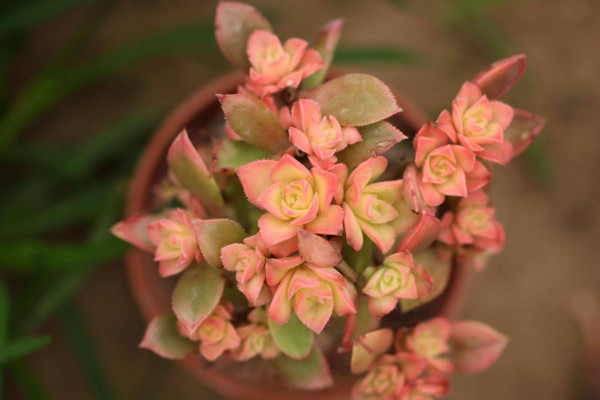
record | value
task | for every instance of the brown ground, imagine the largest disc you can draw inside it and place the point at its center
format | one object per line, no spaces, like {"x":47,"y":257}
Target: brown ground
{"x":552,"y":234}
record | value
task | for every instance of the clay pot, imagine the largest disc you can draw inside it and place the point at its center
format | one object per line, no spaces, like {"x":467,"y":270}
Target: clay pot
{"x":152,"y":293}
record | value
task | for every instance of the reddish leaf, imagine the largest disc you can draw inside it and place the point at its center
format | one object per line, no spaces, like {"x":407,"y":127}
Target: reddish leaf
{"x":523,"y":128}
{"x":317,"y":250}
{"x":325,"y":44}
{"x":476,"y":346}
{"x":501,"y":76}
{"x":421,"y":235}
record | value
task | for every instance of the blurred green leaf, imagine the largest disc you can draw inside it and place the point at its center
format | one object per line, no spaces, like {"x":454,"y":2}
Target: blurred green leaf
{"x":4,"y":315}
{"x":33,"y":255}
{"x":21,"y":347}
{"x":375,"y":54}
{"x":48,"y":89}
{"x":82,"y":345}
{"x":27,"y":381}
{"x":27,"y":14}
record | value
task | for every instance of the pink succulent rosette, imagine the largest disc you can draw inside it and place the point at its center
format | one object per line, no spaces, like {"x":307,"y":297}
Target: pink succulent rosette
{"x":294,"y":198}
{"x":478,"y":124}
{"x":369,"y":206}
{"x":247,"y":260}
{"x":430,"y":341}
{"x":398,"y":278}
{"x":175,"y":241}
{"x":385,"y":381}
{"x":445,"y":169}
{"x":275,"y":66}
{"x":255,"y":338}
{"x":318,"y":135}
{"x":312,"y":292}
{"x":216,"y":333}
{"x":429,"y":387}
{"x":473,"y":223}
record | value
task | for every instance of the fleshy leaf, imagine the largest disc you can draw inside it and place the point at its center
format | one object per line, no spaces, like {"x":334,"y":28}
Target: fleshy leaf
{"x":422,"y":234}
{"x":325,"y":44}
{"x":310,"y":374}
{"x":354,"y":99}
{"x":476,"y":346}
{"x":231,"y":154}
{"x":293,"y":338}
{"x":501,"y":76}
{"x":377,"y":138}
{"x":317,"y":250}
{"x":191,"y":172}
{"x":438,"y":269}
{"x":134,"y":230}
{"x":163,"y":338}
{"x":254,"y":122}
{"x":214,"y":234}
{"x":523,"y":128}
{"x":358,"y":324}
{"x":196,"y":294}
{"x":235,"y":22}
{"x":368,"y":348}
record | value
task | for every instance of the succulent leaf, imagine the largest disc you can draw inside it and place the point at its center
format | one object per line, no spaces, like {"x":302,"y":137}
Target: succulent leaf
{"x":196,"y":294}
{"x":377,"y":138}
{"x":214,"y":234}
{"x":235,"y":22}
{"x":369,"y":347}
{"x":310,"y":374}
{"x":163,"y":338}
{"x":191,"y":172}
{"x":476,"y":346}
{"x":501,"y":76}
{"x":293,"y":338}
{"x":231,"y":154}
{"x":317,"y":250}
{"x":254,"y":122}
{"x":325,"y":44}
{"x":354,"y":99}
{"x":523,"y":128}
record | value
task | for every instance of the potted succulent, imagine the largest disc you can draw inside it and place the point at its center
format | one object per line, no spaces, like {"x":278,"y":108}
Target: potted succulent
{"x":299,"y":240}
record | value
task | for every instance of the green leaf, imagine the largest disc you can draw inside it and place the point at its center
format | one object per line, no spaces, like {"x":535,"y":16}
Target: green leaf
{"x":4,"y":314}
{"x":254,"y":122}
{"x":22,"y":347}
{"x":196,"y":294}
{"x":377,"y":54}
{"x":191,"y":172}
{"x":49,"y":88}
{"x":311,"y":374}
{"x":214,"y":234}
{"x":230,"y":154}
{"x":234,"y":23}
{"x":27,"y":14}
{"x":163,"y":338}
{"x":84,"y":349}
{"x":27,"y":381}
{"x":369,"y":347}
{"x":354,"y":99}
{"x":293,"y":338}
{"x":325,"y":44}
{"x":377,"y":138}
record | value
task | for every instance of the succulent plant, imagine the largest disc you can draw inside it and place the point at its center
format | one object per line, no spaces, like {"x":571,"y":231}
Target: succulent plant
{"x":283,"y":207}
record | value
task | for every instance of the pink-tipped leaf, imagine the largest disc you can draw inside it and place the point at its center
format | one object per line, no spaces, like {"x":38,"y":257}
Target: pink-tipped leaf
{"x":354,"y":99}
{"x":369,"y":347}
{"x":501,"y":76}
{"x":191,"y":172}
{"x":325,"y":44}
{"x":196,"y":294}
{"x":134,"y":230}
{"x":422,"y":234}
{"x":476,"y":346}
{"x":438,"y":269}
{"x":163,"y":338}
{"x":235,"y":22}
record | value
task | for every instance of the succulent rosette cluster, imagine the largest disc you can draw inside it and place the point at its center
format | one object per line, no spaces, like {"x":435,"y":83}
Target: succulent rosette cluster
{"x":296,"y":220}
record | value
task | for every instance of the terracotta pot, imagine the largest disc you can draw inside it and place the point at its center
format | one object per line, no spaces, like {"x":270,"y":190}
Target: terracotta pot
{"x":152,"y":292}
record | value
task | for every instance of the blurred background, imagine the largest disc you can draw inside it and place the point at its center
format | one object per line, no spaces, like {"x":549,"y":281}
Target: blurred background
{"x":83,"y":84}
